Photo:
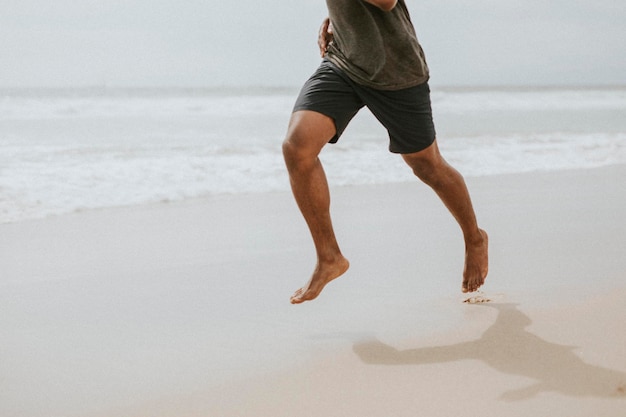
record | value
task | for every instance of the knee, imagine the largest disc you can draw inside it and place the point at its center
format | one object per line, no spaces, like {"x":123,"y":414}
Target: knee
{"x":429,"y":170}
{"x":428,"y":165}
{"x":307,"y":134}
{"x":291,"y":151}
{"x":288,"y":148}
{"x":295,"y":155}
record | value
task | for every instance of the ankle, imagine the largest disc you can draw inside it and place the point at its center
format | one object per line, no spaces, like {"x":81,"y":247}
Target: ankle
{"x":329,"y":259}
{"x":476,"y":238}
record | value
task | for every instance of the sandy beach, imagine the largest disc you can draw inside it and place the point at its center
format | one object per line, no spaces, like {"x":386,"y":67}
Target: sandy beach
{"x":182,"y":309}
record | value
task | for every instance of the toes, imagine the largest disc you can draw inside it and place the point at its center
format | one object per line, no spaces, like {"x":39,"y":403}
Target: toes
{"x":296,"y":298}
{"x":472,"y":286}
{"x":469,"y":286}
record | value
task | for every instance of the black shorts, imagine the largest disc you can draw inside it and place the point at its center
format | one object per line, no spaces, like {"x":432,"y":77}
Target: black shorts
{"x":406,"y":113}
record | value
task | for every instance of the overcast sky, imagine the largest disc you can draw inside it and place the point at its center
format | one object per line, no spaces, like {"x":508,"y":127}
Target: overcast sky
{"x":251,"y":42}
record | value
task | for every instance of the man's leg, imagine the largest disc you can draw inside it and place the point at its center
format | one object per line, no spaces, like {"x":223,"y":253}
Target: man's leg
{"x":307,"y":134}
{"x":448,"y":183}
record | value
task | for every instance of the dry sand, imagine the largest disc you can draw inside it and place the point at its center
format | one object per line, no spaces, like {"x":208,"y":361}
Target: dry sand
{"x":183,"y":309}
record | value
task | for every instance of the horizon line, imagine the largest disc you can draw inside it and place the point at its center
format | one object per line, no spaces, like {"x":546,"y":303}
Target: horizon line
{"x":256,"y":88}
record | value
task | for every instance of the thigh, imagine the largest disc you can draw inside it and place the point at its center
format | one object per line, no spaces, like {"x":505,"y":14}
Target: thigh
{"x":328,"y":92}
{"x":309,"y":131}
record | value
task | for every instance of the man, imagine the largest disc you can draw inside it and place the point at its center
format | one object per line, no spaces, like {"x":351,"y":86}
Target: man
{"x":371,"y":57}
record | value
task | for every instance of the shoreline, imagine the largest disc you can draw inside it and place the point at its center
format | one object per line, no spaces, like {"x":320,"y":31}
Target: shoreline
{"x":207,"y":199}
{"x":183,"y":308}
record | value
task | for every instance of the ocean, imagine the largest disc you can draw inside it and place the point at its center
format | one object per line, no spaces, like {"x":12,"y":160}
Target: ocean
{"x":69,"y":150}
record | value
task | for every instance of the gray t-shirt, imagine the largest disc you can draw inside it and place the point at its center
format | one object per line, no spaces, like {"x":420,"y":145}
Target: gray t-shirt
{"x":375,"y":48}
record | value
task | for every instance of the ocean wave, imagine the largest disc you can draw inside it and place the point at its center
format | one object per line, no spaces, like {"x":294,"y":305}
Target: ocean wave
{"x":63,"y":153}
{"x":53,"y":181}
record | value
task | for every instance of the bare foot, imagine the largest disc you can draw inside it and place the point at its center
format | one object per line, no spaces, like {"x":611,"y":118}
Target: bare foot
{"x":476,"y":263}
{"x":323,"y":274}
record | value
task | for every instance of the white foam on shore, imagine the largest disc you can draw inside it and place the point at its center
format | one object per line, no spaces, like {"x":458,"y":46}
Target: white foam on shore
{"x":74,"y":150}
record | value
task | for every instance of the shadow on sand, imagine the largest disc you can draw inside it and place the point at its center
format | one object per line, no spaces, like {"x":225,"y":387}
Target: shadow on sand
{"x":507,"y":347}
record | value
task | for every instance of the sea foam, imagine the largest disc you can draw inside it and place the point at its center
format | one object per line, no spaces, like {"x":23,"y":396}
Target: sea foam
{"x":63,"y":151}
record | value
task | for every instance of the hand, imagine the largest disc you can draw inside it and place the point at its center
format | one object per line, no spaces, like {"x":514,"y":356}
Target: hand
{"x":384,"y":5}
{"x":325,"y":36}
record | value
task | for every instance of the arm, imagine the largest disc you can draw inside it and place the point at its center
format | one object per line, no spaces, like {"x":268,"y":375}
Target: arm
{"x":325,"y":36}
{"x":385,"y":5}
